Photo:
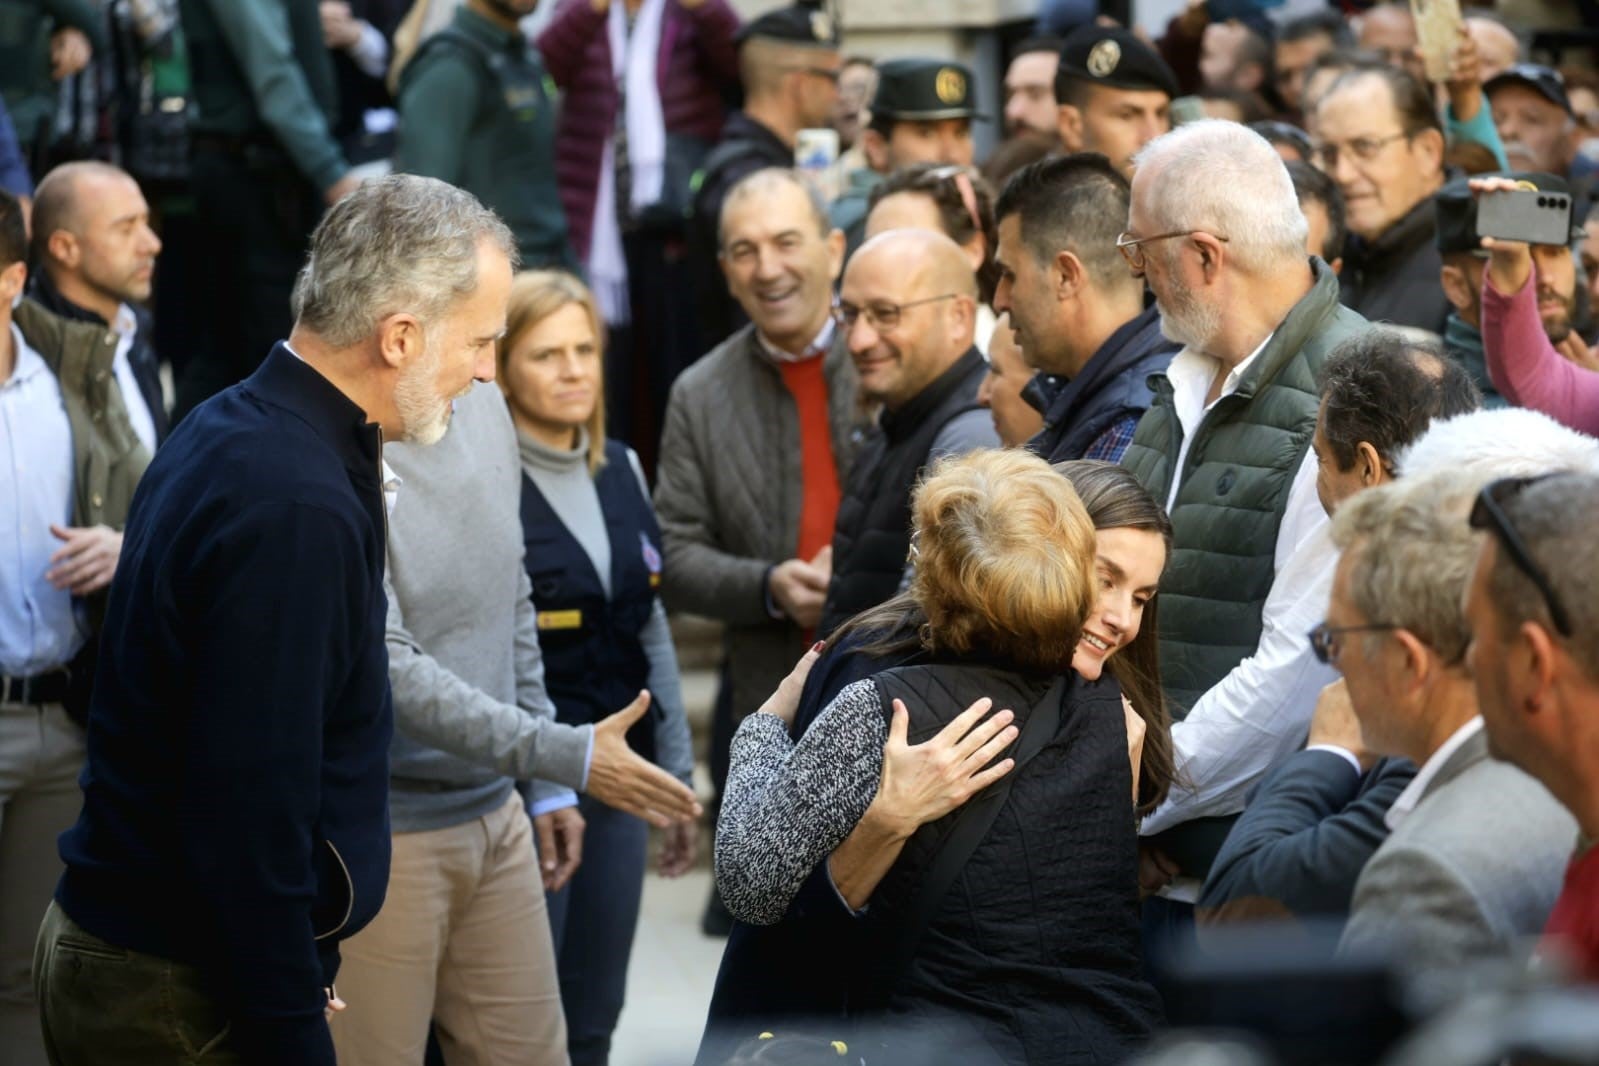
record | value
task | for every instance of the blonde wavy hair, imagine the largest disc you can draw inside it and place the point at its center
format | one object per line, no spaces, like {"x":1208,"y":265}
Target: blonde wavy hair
{"x":535,"y":296}
{"x":1004,"y":553}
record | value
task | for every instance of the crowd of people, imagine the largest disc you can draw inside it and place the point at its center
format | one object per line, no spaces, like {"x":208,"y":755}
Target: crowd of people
{"x":1173,"y":523}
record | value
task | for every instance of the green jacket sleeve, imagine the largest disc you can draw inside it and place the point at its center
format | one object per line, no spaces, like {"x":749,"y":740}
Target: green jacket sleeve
{"x":257,"y":33}
{"x":438,"y":102}
{"x":79,"y":14}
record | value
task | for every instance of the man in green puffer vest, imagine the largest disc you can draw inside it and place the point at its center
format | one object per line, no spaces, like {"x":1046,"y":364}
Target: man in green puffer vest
{"x":1216,"y":230}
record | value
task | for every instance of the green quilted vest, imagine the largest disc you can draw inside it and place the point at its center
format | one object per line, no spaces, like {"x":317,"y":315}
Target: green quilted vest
{"x":1233,"y":491}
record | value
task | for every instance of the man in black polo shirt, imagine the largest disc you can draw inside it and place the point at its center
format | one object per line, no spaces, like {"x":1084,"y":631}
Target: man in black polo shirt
{"x":235,"y":818}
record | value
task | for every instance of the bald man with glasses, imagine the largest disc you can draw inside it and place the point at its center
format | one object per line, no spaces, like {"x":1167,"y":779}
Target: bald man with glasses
{"x":907,"y":310}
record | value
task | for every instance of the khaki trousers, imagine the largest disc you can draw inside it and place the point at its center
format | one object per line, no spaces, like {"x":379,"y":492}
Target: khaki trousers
{"x":41,"y":755}
{"x":463,"y":939}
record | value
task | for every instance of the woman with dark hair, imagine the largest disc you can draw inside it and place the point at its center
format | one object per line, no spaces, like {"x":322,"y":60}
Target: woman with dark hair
{"x":955,"y":201}
{"x":1002,"y":606}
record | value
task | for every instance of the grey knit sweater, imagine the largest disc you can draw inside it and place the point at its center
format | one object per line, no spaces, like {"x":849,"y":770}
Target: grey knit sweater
{"x":562,"y":475}
{"x":471,"y":712}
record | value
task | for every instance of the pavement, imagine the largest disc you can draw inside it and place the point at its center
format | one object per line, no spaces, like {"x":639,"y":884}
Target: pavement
{"x":674,"y":965}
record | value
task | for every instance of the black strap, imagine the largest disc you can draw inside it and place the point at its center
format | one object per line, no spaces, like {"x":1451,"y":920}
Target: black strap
{"x":971,"y":826}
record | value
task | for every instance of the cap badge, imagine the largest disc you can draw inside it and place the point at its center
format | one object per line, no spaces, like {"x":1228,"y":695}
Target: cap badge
{"x":821,"y":26}
{"x":1103,"y":57}
{"x":950,"y":85}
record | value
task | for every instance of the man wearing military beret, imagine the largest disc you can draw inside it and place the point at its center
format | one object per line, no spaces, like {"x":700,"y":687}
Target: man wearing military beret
{"x":921,"y":113}
{"x":476,"y":111}
{"x":789,"y":63}
{"x":1464,"y":263}
{"x":1114,"y":94}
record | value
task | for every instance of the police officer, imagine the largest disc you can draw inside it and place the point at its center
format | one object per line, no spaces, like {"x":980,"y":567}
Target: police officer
{"x":921,"y":113}
{"x":1113,"y":92}
{"x":264,"y":164}
{"x":476,"y":110}
{"x":789,"y":63}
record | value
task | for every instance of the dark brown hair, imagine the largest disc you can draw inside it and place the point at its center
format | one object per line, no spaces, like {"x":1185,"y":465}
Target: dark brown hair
{"x":1113,"y":499}
{"x":940,"y":184}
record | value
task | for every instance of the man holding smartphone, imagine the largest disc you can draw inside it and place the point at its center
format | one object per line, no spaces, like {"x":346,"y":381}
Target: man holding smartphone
{"x":1530,"y":365}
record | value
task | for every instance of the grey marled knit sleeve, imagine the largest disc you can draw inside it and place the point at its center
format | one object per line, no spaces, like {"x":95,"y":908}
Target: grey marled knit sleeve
{"x":787,"y":806}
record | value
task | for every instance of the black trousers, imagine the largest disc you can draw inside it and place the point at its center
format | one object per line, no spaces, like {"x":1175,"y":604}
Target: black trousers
{"x":255,"y":214}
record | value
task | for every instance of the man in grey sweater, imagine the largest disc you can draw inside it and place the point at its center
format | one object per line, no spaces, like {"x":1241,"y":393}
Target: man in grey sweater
{"x":463,"y":937}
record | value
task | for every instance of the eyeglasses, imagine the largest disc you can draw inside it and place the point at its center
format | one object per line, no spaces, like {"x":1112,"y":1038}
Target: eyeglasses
{"x":1489,"y":513}
{"x":1324,"y":642}
{"x":880,"y":316}
{"x":816,"y":72}
{"x":1365,"y":149}
{"x":1131,"y":247}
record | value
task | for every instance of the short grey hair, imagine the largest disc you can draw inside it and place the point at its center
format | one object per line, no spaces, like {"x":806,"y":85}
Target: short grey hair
{"x":1411,"y":554}
{"x":1227,"y":180}
{"x":1508,"y":442}
{"x":764,"y":182}
{"x":398,"y":243}
{"x":1555,"y":518}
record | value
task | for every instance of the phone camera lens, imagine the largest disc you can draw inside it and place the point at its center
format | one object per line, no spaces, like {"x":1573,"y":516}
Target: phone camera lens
{"x":1543,"y":201}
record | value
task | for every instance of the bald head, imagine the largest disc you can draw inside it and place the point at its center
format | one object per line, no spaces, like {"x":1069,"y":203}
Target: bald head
{"x":909,"y":300}
{"x":934,"y":262}
{"x":1497,"y":45}
{"x":92,"y":235}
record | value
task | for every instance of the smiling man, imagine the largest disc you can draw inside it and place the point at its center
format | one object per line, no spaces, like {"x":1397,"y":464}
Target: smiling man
{"x":1379,"y":137}
{"x":907,"y":310}
{"x":758,"y":436}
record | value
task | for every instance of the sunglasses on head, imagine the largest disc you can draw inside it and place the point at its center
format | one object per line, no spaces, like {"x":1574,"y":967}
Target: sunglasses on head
{"x":1490,"y":513}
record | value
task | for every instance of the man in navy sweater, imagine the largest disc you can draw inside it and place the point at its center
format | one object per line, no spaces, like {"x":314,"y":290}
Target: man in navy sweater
{"x":235,"y":818}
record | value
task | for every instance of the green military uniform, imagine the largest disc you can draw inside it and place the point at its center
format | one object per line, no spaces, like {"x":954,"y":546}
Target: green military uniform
{"x":25,"y":82}
{"x":263,"y":155}
{"x":912,"y":89}
{"x":476,"y":110}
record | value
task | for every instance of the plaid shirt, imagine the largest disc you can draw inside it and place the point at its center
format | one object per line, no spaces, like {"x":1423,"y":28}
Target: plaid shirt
{"x":1111,"y":444}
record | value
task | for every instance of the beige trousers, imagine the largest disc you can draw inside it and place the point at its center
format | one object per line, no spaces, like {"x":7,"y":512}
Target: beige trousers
{"x":463,"y":939}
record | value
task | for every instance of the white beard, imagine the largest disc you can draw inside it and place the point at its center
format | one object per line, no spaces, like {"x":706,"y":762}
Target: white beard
{"x":1187,"y":320}
{"x":424,"y":413}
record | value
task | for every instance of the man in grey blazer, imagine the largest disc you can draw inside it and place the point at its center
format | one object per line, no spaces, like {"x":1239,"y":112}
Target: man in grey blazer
{"x":1478,"y":848}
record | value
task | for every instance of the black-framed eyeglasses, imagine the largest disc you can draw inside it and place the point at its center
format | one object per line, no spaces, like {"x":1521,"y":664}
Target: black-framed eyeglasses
{"x":1324,"y":643}
{"x":1364,"y":149}
{"x":1489,"y":513}
{"x":1132,"y":249}
{"x":881,"y":315}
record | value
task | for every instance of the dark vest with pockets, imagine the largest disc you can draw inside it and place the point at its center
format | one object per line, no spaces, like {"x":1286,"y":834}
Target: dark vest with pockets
{"x":872,"y":533}
{"x":1033,"y":954}
{"x":594,"y":660}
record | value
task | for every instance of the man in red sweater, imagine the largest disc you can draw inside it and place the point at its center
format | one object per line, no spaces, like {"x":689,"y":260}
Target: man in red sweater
{"x":1535,"y":655}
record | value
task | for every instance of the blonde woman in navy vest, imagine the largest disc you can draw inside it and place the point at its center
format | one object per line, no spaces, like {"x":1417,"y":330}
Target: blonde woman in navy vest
{"x":594,"y":557}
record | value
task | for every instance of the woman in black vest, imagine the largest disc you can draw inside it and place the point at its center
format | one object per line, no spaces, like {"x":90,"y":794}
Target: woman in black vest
{"x":1006,"y":931}
{"x":594,"y":557}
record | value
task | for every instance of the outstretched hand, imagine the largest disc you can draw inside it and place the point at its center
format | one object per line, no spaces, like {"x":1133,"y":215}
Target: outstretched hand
{"x":619,"y":777}
{"x":1509,"y":262}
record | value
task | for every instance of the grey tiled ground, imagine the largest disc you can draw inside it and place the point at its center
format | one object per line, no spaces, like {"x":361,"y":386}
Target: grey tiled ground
{"x":669,"y":981}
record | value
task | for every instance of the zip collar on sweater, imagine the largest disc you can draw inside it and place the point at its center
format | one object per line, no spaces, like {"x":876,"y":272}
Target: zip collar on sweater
{"x":287,"y":382}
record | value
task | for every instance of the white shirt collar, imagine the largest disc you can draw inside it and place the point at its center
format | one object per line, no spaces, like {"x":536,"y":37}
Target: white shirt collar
{"x":1411,"y":796}
{"x":26,"y":362}
{"x":126,"y":324}
{"x":819,"y":345}
{"x":1192,"y":372}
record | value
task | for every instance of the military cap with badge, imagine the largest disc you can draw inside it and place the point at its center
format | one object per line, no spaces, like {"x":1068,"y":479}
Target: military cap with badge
{"x":803,"y":24}
{"x":1113,"y":56}
{"x":918,"y":89}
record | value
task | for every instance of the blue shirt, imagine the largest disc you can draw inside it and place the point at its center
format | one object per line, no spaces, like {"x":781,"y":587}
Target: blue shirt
{"x":38,"y":632}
